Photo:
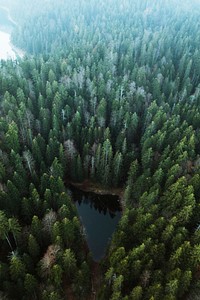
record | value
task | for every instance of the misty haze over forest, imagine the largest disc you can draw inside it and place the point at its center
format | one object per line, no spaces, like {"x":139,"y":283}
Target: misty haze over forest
{"x":100,"y":150}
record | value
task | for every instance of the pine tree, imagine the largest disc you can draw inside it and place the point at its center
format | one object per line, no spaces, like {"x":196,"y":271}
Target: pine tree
{"x":12,"y":138}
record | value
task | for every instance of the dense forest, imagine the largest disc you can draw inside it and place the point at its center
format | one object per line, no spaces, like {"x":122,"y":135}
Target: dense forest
{"x":109,"y":92}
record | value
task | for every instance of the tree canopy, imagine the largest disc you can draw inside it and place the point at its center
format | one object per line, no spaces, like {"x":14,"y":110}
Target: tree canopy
{"x":109,"y":92}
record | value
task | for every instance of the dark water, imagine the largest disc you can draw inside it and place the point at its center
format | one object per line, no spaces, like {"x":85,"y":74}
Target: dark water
{"x":100,"y":215}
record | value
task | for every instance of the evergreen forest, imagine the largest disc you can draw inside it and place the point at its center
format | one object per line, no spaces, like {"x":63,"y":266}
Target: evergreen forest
{"x":108,"y":91}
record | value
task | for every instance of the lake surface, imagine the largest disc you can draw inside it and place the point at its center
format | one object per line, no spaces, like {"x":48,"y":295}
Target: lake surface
{"x":99,"y":215}
{"x":7,"y":50}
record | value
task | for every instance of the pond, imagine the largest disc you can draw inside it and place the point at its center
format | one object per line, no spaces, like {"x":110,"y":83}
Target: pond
{"x":99,"y":215}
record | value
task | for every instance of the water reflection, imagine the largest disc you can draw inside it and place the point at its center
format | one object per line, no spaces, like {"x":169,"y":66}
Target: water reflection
{"x":103,"y":203}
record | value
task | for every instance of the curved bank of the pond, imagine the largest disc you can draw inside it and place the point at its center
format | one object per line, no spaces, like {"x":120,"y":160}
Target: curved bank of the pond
{"x":90,"y":187}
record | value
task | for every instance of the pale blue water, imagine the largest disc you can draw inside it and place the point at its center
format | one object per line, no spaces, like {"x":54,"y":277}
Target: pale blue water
{"x":6,"y":48}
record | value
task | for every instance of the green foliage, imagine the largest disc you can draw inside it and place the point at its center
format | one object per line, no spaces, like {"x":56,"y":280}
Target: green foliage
{"x":109,"y":94}
{"x":69,"y":263}
{"x":17,"y":268}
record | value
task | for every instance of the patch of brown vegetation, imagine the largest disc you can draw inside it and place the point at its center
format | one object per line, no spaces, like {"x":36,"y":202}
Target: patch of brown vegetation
{"x":49,"y":259}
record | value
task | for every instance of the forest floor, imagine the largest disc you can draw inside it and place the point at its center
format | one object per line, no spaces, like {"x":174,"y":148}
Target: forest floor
{"x":96,"y":280}
{"x":89,"y":186}
{"x":69,"y":294}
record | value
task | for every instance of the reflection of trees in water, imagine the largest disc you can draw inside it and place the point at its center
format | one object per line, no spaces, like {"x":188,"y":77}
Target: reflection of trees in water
{"x":102,"y":203}
{"x":112,"y":215}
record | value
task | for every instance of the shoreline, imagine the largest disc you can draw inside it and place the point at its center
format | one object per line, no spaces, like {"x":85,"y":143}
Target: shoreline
{"x":18,"y":52}
{"x":14,"y":52}
{"x":10,"y":51}
{"x":91,"y":187}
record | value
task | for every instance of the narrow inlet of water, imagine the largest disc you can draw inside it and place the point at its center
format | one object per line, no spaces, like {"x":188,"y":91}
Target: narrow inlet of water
{"x":7,"y":50}
{"x":99,"y":215}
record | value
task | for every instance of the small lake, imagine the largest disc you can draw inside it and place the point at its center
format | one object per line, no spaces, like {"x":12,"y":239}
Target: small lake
{"x":99,"y":215}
